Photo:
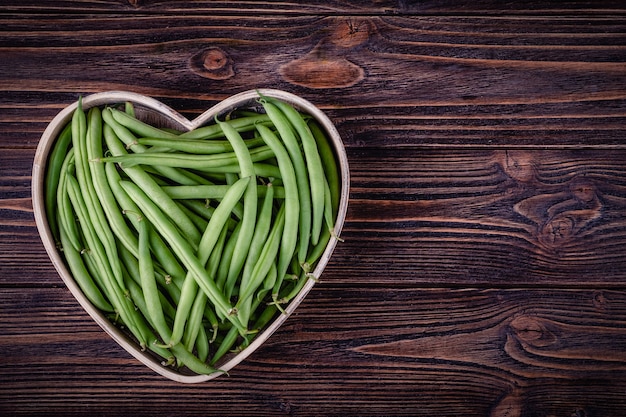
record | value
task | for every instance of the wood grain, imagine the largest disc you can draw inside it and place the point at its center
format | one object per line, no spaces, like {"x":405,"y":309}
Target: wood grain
{"x":482,"y":272}
{"x":467,"y":86}
{"x":478,"y":217}
{"x":275,"y":7}
{"x":482,"y":349}
{"x":375,"y":55}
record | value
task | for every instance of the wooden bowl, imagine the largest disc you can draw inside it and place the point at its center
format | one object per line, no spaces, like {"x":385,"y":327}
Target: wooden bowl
{"x":155,"y":112}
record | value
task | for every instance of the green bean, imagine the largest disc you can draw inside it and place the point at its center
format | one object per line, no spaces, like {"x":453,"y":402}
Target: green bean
{"x":313,"y":163}
{"x":206,"y":246}
{"x":200,"y":222}
{"x":262,"y":169}
{"x":231,"y":337}
{"x":259,"y":240}
{"x":89,"y":130}
{"x":199,"y":208}
{"x":102,"y":188}
{"x":203,"y":147}
{"x":191,"y":361}
{"x":154,"y":191}
{"x":194,"y":323}
{"x":131,"y":265}
{"x":170,"y":175}
{"x":268,"y":282}
{"x":312,"y":258}
{"x":307,"y":267}
{"x":264,"y":318}
{"x":317,"y":250}
{"x":133,"y":283}
{"x":81,"y":275}
{"x":65,"y":215}
{"x":213,"y":192}
{"x":261,"y":231}
{"x":130,"y":140}
{"x":241,"y":124}
{"x":187,"y":296}
{"x":129,"y":108}
{"x":161,"y":252}
{"x":52,"y":177}
{"x":229,"y":249}
{"x":148,"y":283}
{"x":290,"y":141}
{"x":145,"y":322}
{"x":248,"y":221}
{"x":184,"y":160}
{"x":299,"y":284}
{"x":202,"y":345}
{"x":92,"y":265}
{"x":230,"y":177}
{"x":138,"y":127}
{"x":329,"y":163}
{"x":328,"y":208}
{"x":292,"y":206}
{"x":225,"y":345}
{"x":184,"y":251}
{"x":113,"y":289}
{"x":266,"y":258}
{"x":191,"y":178}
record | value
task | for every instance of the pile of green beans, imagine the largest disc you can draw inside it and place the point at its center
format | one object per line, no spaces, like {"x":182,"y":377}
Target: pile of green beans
{"x":192,"y":241}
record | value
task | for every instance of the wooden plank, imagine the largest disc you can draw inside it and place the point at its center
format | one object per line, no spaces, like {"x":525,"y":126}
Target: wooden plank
{"x":584,"y":124}
{"x":482,"y":271}
{"x":315,"y":7}
{"x":451,"y":60}
{"x":506,"y":217}
{"x":388,"y":351}
{"x":446,"y":217}
{"x":532,"y":83}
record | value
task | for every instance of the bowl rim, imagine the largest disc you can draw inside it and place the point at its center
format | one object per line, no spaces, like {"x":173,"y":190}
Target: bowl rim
{"x":52,"y":132}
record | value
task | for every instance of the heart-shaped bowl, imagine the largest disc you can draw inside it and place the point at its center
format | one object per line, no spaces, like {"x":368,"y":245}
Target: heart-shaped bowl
{"x":156,"y":113}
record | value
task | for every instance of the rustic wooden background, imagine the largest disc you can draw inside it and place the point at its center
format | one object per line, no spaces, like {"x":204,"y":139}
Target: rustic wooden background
{"x":483,"y":269}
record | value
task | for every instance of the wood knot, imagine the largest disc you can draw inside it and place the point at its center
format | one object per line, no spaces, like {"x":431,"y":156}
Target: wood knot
{"x":315,"y":70}
{"x":350,"y":32}
{"x":326,"y":65}
{"x":562,"y":213}
{"x":532,"y":331}
{"x":213,"y":63}
{"x":583,"y":190}
{"x":519,"y":165}
{"x":510,"y":405}
{"x":600,"y":302}
{"x":557,"y":230}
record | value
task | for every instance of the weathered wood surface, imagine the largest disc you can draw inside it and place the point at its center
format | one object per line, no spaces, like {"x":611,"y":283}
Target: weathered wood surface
{"x":445,"y":352}
{"x":482,"y":271}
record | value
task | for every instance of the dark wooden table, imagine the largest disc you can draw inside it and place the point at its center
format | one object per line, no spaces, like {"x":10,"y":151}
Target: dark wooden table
{"x":483,"y":269}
